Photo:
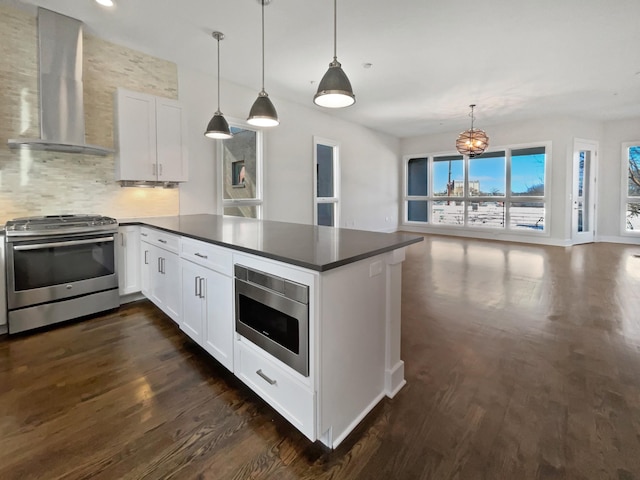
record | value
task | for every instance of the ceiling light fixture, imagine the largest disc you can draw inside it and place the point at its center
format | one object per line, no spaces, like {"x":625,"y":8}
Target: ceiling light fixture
{"x":218,"y":126}
{"x":472,"y":142}
{"x":263,"y":113}
{"x":334,"y":90}
{"x":105,"y":3}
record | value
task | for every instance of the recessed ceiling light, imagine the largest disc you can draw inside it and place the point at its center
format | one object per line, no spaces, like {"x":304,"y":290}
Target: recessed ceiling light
{"x":105,"y":3}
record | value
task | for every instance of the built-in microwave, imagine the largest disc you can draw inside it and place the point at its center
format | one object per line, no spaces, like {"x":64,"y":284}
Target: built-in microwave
{"x":273,"y":313}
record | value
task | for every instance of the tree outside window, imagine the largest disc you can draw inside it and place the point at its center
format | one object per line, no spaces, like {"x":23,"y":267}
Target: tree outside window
{"x":633,"y":190}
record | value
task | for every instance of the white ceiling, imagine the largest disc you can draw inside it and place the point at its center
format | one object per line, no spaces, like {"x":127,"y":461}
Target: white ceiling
{"x":516,"y":59}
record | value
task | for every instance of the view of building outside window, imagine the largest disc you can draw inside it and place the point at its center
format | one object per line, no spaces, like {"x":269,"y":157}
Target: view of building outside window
{"x":483,"y":200}
{"x":632,"y":220}
{"x":240,"y":173}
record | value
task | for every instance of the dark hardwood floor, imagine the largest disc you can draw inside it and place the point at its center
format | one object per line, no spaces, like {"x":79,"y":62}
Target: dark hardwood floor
{"x":522,"y":362}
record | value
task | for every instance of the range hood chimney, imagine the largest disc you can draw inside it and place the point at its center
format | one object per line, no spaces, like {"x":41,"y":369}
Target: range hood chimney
{"x":60,"y":80}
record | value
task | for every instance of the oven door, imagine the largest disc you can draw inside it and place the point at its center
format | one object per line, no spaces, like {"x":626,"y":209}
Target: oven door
{"x":41,"y":271}
{"x":277,"y":324}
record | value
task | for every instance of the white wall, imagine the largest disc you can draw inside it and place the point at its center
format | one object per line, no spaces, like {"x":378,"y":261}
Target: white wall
{"x":369,"y":160}
{"x":561,"y":132}
{"x":198,"y":94}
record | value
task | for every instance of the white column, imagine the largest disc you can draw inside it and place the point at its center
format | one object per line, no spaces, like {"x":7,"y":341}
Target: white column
{"x":394,"y":366}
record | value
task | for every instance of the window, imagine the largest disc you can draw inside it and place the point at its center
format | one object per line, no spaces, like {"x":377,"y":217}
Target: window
{"x":502,"y":189}
{"x":326,"y":172}
{"x":242,"y":172}
{"x":418,"y":181}
{"x":631,"y":176}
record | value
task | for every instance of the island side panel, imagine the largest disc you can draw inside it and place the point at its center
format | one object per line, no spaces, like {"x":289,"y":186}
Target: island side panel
{"x":352,"y":345}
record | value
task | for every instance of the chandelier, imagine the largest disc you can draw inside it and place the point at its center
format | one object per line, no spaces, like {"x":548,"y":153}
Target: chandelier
{"x":472,"y":142}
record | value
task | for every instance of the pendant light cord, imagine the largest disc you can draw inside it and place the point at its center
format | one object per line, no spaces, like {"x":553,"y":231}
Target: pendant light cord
{"x":471,"y":115}
{"x":263,"y":45}
{"x":335,"y":30}
{"x":218,"y":73}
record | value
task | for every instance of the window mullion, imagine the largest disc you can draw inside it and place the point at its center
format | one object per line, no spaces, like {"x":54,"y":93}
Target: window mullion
{"x":507,"y":191}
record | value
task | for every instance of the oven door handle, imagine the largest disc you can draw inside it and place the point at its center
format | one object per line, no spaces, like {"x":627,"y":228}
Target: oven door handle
{"x":39,"y":246}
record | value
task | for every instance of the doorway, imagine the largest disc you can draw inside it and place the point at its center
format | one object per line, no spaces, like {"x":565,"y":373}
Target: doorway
{"x":583,"y":195}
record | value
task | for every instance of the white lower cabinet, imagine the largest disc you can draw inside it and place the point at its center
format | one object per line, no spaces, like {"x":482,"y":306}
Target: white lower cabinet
{"x":218,"y":318}
{"x":196,"y":289}
{"x":160,"y":274}
{"x":128,"y":256}
{"x":294,"y":400}
{"x":207,"y":301}
{"x":193,"y":300}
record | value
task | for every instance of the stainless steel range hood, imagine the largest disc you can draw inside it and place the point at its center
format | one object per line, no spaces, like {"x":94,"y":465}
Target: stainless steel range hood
{"x":61,"y":95}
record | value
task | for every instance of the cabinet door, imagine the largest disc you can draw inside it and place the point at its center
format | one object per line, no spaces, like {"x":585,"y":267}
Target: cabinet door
{"x":193,"y":292}
{"x":156,"y":281}
{"x":128,"y":253}
{"x":145,"y":269}
{"x":219,"y":321}
{"x":171,"y":141}
{"x":136,"y":157}
{"x":169,"y":294}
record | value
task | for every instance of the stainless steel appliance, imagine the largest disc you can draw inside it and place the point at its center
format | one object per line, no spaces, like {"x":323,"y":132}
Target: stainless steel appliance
{"x":58,"y":268}
{"x":273,"y":313}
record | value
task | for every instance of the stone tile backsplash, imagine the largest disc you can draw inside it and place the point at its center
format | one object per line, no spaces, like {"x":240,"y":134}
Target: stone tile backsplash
{"x":39,"y":183}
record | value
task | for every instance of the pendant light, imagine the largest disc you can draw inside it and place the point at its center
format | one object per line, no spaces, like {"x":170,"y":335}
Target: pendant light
{"x":334,"y":90}
{"x":218,"y":126}
{"x":263,"y":113}
{"x":472,"y":142}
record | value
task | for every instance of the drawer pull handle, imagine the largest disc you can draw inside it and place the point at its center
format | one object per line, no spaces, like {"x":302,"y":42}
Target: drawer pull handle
{"x":200,"y":255}
{"x":267,"y":379}
{"x":162,"y":241}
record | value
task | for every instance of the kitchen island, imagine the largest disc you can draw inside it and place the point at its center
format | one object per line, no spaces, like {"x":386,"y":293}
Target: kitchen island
{"x":349,"y":339}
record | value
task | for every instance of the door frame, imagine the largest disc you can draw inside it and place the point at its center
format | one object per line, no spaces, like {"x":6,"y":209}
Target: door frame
{"x":592,"y":146}
{"x":335,"y":200}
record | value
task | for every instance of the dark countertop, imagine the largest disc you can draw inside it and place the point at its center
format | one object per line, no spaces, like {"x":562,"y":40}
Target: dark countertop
{"x":308,"y":246}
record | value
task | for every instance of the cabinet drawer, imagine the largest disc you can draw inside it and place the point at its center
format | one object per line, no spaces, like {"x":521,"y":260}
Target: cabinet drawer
{"x":294,"y":401}
{"x":161,"y":239}
{"x":209,"y":256}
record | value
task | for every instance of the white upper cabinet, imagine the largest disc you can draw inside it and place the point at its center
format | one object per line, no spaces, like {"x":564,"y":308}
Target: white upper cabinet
{"x":150,"y":138}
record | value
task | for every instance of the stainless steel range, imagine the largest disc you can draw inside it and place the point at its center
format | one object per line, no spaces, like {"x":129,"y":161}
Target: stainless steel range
{"x":59,"y":267}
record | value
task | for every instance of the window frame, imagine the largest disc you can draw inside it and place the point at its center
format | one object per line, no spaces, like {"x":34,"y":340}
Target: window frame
{"x":335,"y":199}
{"x":258,"y":200}
{"x":508,"y":198}
{"x":624,"y":190}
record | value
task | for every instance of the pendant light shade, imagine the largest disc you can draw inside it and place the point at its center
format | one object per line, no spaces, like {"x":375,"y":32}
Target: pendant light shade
{"x":472,"y":142}
{"x":334,"y":90}
{"x":218,"y":126}
{"x":263,"y":113}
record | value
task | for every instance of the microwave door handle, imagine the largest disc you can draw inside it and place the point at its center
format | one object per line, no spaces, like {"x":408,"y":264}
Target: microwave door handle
{"x":40,"y":246}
